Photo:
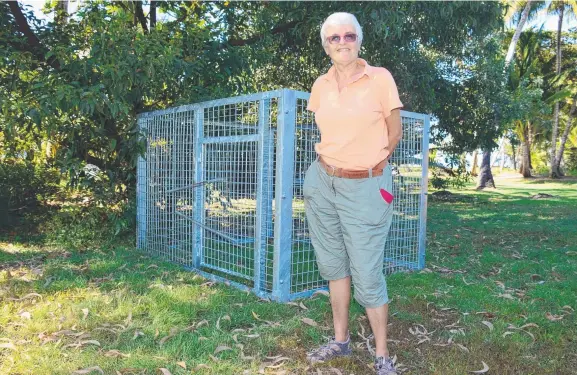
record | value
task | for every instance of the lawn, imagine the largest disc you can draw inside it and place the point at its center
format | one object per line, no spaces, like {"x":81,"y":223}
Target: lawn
{"x":499,"y":289}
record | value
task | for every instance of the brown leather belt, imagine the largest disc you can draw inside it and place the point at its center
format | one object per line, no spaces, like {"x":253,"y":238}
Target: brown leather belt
{"x":348,"y":173}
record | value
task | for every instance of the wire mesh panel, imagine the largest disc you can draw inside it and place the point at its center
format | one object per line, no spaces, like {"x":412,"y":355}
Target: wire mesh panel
{"x":403,"y":244}
{"x":220,"y":192}
{"x":304,"y":273}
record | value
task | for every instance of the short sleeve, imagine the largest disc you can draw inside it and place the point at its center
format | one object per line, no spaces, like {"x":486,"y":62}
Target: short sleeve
{"x":314,"y":99}
{"x":388,"y":93}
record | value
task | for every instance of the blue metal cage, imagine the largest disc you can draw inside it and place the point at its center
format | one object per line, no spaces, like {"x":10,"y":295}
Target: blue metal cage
{"x":220,"y":192}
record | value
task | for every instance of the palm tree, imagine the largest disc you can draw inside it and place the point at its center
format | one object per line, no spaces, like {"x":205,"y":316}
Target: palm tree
{"x":562,"y":8}
{"x":520,"y":77}
{"x":522,"y":10}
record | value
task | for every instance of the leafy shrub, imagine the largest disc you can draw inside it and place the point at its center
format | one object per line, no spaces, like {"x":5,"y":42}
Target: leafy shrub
{"x":443,"y":178}
{"x":81,"y":226}
{"x":571,"y":161}
{"x":23,"y":185}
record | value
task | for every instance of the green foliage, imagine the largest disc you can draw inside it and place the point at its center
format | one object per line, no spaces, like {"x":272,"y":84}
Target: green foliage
{"x":24,"y":184}
{"x":83,"y":84}
{"x":444,"y":178}
{"x":571,"y":161}
{"x":83,"y":226}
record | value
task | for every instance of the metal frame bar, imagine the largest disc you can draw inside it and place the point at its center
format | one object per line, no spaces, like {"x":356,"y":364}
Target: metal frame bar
{"x":263,"y":201}
{"x":424,"y":189}
{"x":141,"y":194}
{"x":284,"y":195}
{"x":220,"y":279}
{"x":199,"y":193}
{"x":213,"y":103}
{"x":231,"y":139}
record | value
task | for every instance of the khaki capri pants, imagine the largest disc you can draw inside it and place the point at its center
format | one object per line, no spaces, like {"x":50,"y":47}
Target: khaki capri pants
{"x":349,"y":221}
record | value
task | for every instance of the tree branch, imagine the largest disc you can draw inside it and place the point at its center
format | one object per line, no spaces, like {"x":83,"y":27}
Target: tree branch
{"x":34,"y":46}
{"x":152,"y":14}
{"x":283,"y":28}
{"x":140,"y":15}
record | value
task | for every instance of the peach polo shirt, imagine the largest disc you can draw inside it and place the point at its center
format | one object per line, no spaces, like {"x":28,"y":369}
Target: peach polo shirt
{"x":352,"y":123}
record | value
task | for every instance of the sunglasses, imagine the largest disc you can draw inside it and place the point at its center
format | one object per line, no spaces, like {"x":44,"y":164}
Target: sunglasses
{"x":348,"y":38}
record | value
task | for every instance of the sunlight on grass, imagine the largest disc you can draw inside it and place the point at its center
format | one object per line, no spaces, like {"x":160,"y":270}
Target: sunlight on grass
{"x":499,"y":286}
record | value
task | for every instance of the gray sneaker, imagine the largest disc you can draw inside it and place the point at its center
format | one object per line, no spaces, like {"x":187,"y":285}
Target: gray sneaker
{"x":385,"y":366}
{"x":332,"y":350}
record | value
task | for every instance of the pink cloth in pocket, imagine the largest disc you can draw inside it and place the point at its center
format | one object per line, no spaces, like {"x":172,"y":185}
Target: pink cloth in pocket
{"x":388,"y":197}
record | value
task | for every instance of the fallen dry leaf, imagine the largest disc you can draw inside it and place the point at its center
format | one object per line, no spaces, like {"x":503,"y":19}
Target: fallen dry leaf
{"x":170,"y":335}
{"x":200,"y":366}
{"x":29,"y":295}
{"x":163,"y":371}
{"x":115,"y":354}
{"x":25,"y":315}
{"x":182,"y":364}
{"x":484,"y":370}
{"x":488,"y":324}
{"x":310,"y":322}
{"x":323,"y":292}
{"x":221,"y":348}
{"x":128,"y":319}
{"x":85,"y":312}
{"x":552,"y":317}
{"x":88,"y":370}
{"x":7,"y":345}
{"x":91,"y":342}
{"x":226,"y":317}
{"x":256,"y":316}
{"x":463,"y":347}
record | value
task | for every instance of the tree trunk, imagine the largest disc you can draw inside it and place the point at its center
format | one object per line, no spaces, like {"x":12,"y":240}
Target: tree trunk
{"x":565,"y":135}
{"x":526,"y":161}
{"x":152,"y":14}
{"x":475,"y":162}
{"x":503,"y":154}
{"x":139,"y":14}
{"x":514,"y":157}
{"x":530,"y":140}
{"x":485,"y":175}
{"x":555,"y":172}
{"x":61,"y":10}
{"x":517,"y":35}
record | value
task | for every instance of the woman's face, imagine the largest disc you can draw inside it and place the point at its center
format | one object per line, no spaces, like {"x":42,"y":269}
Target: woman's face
{"x":338,"y":44}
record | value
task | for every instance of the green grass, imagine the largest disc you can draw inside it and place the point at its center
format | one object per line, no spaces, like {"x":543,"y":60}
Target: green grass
{"x":494,"y":256}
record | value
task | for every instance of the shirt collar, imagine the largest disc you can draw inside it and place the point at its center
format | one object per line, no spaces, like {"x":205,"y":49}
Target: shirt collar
{"x":330,"y":76}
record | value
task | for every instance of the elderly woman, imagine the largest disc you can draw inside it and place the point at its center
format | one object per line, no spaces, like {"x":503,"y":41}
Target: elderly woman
{"x":348,"y":189}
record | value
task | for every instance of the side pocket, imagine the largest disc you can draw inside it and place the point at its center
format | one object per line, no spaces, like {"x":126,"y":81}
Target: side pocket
{"x":309,"y":184}
{"x":386,"y":185}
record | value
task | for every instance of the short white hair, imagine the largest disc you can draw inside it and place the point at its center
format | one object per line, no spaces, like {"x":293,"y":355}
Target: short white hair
{"x":342,"y":18}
